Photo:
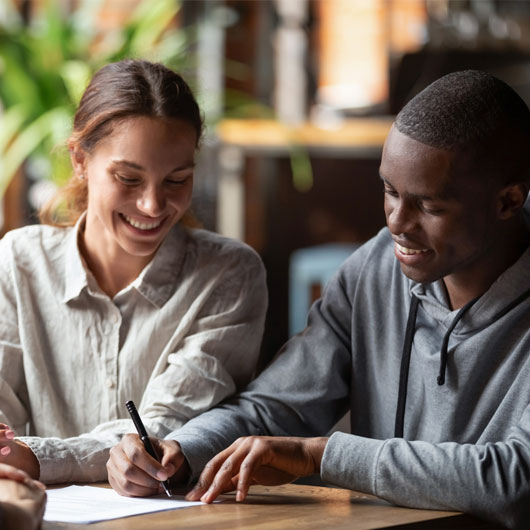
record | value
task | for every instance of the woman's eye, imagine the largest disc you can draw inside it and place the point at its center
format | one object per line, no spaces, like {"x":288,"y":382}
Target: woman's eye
{"x":390,"y":192}
{"x":129,"y":181}
{"x":177,"y":182}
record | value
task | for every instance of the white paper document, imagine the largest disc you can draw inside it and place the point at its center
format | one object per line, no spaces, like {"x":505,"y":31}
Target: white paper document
{"x":89,"y":504}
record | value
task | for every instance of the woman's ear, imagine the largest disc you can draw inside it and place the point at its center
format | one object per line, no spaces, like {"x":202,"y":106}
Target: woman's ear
{"x":511,"y":199}
{"x":78,"y":159}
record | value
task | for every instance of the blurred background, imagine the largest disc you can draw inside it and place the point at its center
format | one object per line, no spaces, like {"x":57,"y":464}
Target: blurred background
{"x":298,"y":96}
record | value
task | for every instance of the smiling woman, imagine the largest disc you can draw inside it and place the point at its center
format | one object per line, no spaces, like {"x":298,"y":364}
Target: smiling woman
{"x":116,"y":296}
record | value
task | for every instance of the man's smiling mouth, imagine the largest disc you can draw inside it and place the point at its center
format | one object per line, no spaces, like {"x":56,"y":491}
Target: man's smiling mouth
{"x":409,"y":251}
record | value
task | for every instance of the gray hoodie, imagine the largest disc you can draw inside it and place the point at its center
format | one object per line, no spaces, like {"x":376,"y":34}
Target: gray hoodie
{"x":466,"y":443}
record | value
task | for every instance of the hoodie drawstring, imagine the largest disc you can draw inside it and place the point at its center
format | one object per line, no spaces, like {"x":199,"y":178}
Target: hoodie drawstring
{"x":445,"y":343}
{"x":407,"y":349}
{"x":404,"y":372}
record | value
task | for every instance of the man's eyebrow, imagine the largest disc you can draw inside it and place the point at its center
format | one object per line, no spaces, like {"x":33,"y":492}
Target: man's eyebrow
{"x":445,"y":195}
{"x":134,"y":165}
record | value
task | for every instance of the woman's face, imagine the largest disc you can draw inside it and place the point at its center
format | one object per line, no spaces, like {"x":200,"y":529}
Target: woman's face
{"x":140,"y":181}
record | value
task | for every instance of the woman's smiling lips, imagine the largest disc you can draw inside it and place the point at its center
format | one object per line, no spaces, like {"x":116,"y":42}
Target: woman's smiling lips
{"x":140,"y":226}
{"x":410,"y":256}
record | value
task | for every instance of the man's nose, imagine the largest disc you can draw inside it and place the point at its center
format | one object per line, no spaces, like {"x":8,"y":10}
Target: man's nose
{"x":402,"y":218}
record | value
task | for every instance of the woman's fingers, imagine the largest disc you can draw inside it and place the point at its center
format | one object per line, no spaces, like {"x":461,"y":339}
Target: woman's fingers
{"x":125,"y":474}
{"x":6,"y":436}
{"x":133,"y":472}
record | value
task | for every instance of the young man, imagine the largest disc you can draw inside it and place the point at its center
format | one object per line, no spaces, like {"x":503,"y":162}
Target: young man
{"x":424,"y":334}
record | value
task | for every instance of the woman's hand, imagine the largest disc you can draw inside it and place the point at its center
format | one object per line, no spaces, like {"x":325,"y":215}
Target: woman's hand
{"x":16,"y":453}
{"x":263,"y":460}
{"x":6,"y":435}
{"x":22,"y":500}
{"x":134,"y":473}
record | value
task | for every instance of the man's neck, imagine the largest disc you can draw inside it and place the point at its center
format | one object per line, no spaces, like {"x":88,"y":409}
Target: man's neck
{"x":462,"y":288}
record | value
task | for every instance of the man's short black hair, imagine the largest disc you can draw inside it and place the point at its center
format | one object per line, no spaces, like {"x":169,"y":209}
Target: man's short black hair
{"x":473,"y":112}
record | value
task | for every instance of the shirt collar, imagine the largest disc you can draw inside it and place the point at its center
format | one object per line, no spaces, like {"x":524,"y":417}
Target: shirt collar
{"x":156,"y":282}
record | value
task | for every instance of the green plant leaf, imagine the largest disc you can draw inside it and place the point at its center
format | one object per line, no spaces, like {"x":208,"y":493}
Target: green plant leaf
{"x":150,"y":20}
{"x":27,"y":141}
{"x":76,"y":75}
{"x":11,"y":120}
{"x":301,"y":168}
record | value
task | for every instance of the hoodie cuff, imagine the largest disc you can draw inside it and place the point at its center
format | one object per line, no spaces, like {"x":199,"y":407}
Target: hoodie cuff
{"x":350,"y":462}
{"x":196,"y":451}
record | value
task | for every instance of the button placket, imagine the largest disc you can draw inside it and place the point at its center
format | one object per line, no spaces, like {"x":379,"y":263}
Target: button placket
{"x":113,"y":334}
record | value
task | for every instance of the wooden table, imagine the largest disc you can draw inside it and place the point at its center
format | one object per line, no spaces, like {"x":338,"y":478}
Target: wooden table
{"x":291,"y":507}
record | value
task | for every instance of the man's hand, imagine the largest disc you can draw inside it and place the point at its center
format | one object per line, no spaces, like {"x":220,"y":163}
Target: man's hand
{"x":22,"y":500}
{"x":133,"y":472}
{"x":16,"y":453}
{"x":263,"y":460}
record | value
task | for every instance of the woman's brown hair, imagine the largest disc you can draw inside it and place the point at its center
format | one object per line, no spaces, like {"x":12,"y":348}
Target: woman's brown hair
{"x":119,"y":90}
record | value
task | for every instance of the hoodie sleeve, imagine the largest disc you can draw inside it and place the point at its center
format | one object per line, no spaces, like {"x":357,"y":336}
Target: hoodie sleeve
{"x":490,"y":481}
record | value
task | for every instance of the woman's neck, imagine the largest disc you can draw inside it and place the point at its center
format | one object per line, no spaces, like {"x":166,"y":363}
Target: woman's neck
{"x":113,"y":268}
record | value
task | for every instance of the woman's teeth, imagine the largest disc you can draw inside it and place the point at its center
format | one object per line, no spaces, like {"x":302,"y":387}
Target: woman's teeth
{"x":141,"y":226}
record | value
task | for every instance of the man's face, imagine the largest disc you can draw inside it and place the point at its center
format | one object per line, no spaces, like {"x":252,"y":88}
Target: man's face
{"x":442,"y":222}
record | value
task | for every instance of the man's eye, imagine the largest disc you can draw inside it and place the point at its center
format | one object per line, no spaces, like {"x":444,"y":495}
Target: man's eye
{"x":390,"y":192}
{"x":432,"y":210}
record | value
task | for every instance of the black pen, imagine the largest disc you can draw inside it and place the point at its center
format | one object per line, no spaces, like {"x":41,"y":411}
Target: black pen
{"x":145,"y":439}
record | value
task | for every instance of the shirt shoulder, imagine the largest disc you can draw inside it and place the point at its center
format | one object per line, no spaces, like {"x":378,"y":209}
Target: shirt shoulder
{"x":225,"y":250}
{"x":34,"y":241}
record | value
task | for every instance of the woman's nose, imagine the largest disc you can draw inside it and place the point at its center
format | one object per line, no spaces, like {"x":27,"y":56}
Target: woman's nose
{"x":151,"y":202}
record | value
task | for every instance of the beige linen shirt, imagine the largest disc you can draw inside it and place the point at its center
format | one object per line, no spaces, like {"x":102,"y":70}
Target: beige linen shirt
{"x":179,"y":339}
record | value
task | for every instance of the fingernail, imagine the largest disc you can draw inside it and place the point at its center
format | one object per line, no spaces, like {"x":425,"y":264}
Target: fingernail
{"x":161,"y":475}
{"x":10,"y":434}
{"x":239,"y":496}
{"x":5,"y":450}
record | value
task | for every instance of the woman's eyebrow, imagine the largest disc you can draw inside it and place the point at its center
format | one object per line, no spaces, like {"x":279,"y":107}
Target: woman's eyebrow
{"x":134,"y":165}
{"x":128,"y":163}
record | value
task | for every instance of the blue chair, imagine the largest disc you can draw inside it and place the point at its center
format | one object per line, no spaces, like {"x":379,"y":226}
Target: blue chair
{"x":310,"y":267}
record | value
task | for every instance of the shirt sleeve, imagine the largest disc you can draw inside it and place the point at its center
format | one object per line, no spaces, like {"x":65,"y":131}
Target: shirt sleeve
{"x":491,"y":481}
{"x":13,"y":392}
{"x":219,"y":353}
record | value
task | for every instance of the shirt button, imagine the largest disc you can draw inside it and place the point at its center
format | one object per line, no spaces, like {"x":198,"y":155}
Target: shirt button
{"x":110,"y":382}
{"x":115,"y":319}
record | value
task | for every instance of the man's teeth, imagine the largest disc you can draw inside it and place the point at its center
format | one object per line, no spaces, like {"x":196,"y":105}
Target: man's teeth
{"x":405,"y":250}
{"x":141,"y":226}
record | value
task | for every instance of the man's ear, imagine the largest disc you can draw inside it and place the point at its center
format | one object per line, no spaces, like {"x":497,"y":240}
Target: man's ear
{"x":511,"y":199}
{"x":78,"y":159}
